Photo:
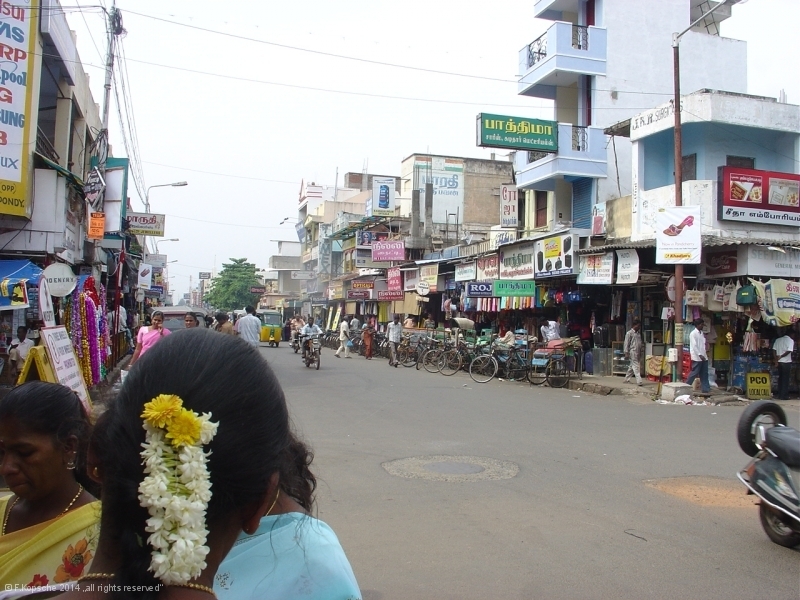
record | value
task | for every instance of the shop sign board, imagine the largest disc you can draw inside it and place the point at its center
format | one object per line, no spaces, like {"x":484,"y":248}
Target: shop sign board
{"x":258,"y":289}
{"x":480,"y":289}
{"x":383,"y":202}
{"x":720,"y":264}
{"x":759,"y":385}
{"x":19,"y":80}
{"x":498,"y":237}
{"x":359,"y":294}
{"x":204,"y":275}
{"x":430,"y":275}
{"x":755,"y":196}
{"x":466,"y":271}
{"x":362,"y":285}
{"x":157,"y":289}
{"x":597,"y":269}
{"x":554,"y":256}
{"x":516,"y":262}
{"x":46,"y":310}
{"x":93,"y":189}
{"x":65,"y":364}
{"x":446,"y":175}
{"x":157,"y":260}
{"x":145,"y":224}
{"x":627,"y":266}
{"x":335,"y":291}
{"x":516,"y":133}
{"x":394,"y":279}
{"x":302,"y":274}
{"x":60,"y":279}
{"x":388,"y":250}
{"x":97,"y":226}
{"x":423,"y":289}
{"x":505,"y":288}
{"x":389,"y":295}
{"x":509,"y":206}
{"x":678,"y":239}
{"x":764,"y":262}
{"x":488,"y":267}
{"x":410,"y":279}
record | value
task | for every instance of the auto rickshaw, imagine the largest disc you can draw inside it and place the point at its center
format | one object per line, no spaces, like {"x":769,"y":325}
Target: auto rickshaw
{"x":271,"y":326}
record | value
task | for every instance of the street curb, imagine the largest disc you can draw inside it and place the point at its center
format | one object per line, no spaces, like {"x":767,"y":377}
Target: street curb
{"x":593,"y":388}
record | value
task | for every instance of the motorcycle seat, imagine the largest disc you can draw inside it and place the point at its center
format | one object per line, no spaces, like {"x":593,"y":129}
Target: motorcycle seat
{"x":785,"y":443}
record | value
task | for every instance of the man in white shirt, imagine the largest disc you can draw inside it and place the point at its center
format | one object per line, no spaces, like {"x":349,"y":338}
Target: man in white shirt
{"x":249,"y":327}
{"x":394,"y":332}
{"x":19,"y":349}
{"x":633,"y":352}
{"x":783,"y":348}
{"x":697,"y":348}
{"x":344,"y":337}
{"x":551,"y":330}
{"x":310,"y":329}
{"x":355,"y":324}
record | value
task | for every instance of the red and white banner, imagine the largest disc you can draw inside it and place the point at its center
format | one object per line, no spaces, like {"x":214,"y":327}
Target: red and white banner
{"x":756,"y":196}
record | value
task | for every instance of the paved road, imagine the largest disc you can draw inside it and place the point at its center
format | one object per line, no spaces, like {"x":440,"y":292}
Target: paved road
{"x":614,"y":497}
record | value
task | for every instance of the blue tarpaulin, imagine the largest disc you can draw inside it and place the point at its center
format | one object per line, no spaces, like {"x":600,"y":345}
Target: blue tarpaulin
{"x":13,"y":275}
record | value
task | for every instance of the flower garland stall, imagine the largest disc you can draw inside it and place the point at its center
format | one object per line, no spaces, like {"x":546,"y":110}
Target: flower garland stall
{"x":87,"y":325}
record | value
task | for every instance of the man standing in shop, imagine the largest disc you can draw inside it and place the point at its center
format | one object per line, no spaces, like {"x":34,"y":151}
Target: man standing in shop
{"x":697,"y":348}
{"x":783,"y":348}
{"x":633,"y":352}
{"x":19,"y":349}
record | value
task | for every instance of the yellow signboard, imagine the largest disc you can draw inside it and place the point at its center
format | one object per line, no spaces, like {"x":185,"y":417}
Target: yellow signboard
{"x":759,"y":385}
{"x":16,"y":95}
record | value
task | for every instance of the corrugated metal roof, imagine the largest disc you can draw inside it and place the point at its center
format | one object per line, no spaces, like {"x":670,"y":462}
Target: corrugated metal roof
{"x":709,"y":241}
{"x":621,"y":244}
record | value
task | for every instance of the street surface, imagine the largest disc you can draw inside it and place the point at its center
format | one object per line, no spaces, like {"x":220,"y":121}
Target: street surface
{"x":604,"y":497}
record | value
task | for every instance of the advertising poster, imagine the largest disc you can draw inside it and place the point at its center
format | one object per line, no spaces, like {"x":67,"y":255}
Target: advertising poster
{"x":466,"y":271}
{"x":488,"y":267}
{"x":383,"y":201}
{"x":388,"y":251}
{"x":509,"y":206}
{"x":145,"y":276}
{"x":19,"y":80}
{"x":430,"y":275}
{"x":394,"y":279}
{"x":411,"y":278}
{"x":65,"y":363}
{"x":145,"y":224}
{"x":755,"y":196}
{"x":97,"y":226}
{"x":627,"y":266}
{"x":597,"y":269}
{"x":554,"y":256}
{"x":516,"y":262}
{"x":780,"y":300}
{"x":447,"y":177}
{"x":364,"y":239}
{"x":678,"y":239}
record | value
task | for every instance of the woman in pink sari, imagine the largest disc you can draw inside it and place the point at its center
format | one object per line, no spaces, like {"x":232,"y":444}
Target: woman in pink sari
{"x":149,"y":335}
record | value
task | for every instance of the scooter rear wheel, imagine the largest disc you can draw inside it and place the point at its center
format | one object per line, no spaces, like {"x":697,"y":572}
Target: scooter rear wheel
{"x":776,"y":529}
{"x":762,"y":412}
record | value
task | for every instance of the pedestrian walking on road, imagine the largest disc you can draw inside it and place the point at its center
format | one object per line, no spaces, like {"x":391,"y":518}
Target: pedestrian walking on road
{"x":223,"y":324}
{"x":783,"y":348}
{"x":250,"y":327}
{"x":394,"y":331}
{"x":697,"y":348}
{"x":368,"y":335}
{"x":633,"y":352}
{"x":344,"y":338}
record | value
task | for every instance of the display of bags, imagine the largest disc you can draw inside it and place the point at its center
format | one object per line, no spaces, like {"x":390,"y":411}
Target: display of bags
{"x":729,"y":299}
{"x":746,"y":295}
{"x":695,"y":298}
{"x":718,"y":293}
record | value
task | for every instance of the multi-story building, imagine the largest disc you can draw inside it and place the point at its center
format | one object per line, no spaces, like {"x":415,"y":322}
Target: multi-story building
{"x":600,"y":62}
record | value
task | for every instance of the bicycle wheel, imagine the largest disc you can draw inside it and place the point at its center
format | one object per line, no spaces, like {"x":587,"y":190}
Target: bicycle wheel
{"x":432,"y":360}
{"x":407,"y":356}
{"x":557,"y":373}
{"x":483,"y":368}
{"x":451,"y":362}
{"x":537,"y":374}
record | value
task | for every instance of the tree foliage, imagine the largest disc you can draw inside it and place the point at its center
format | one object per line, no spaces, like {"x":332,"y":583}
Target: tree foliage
{"x":231,"y":290}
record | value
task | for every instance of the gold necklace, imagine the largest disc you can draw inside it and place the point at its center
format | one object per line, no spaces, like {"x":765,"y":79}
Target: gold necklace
{"x":192,"y":586}
{"x":65,"y":511}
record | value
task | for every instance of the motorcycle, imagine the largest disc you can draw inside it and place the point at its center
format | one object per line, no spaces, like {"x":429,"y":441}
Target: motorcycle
{"x":774,"y":473}
{"x":311,"y":351}
{"x":295,"y":343}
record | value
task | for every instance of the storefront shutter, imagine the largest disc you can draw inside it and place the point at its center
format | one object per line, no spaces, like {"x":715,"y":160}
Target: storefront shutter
{"x":582,"y":202}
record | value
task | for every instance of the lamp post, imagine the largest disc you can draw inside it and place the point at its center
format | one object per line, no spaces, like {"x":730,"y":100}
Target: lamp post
{"x":678,"y":143}
{"x":147,"y":207}
{"x":167,"y":240}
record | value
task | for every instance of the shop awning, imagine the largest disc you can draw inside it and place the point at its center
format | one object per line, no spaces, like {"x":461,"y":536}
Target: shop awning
{"x":69,"y":175}
{"x":709,"y":241}
{"x":13,"y":275}
{"x":352,"y":228}
{"x":622,"y":244}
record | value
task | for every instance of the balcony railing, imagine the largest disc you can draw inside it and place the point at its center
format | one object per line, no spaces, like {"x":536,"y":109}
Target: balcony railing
{"x":580,"y":37}
{"x":537,"y":50}
{"x":534,"y":155}
{"x":44,"y":147}
{"x":579,"y":139}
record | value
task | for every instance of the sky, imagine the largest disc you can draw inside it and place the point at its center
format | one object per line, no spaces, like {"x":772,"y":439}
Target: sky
{"x":244,"y":121}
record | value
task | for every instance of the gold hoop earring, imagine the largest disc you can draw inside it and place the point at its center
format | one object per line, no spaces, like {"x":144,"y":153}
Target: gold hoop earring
{"x":71,"y":465}
{"x":95,"y":472}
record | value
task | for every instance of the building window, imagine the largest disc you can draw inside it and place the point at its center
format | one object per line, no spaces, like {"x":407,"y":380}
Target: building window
{"x":540,"y":217}
{"x":689,"y":168}
{"x":742,"y":162}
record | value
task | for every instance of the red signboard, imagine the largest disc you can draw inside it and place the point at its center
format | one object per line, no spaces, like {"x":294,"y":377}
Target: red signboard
{"x":394,"y":277}
{"x":721,"y":263}
{"x":755,"y":196}
{"x":258,"y":289}
{"x":390,"y":295}
{"x":386,"y":251}
{"x":359,"y":294}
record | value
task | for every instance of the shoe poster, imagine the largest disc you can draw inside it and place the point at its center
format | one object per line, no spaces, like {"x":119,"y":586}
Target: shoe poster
{"x":678,"y":239}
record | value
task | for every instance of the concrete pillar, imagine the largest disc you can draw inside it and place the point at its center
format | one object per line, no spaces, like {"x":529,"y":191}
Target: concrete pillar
{"x":63,"y":129}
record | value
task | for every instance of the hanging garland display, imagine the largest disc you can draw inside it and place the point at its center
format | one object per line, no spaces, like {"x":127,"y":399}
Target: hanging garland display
{"x":87,"y":325}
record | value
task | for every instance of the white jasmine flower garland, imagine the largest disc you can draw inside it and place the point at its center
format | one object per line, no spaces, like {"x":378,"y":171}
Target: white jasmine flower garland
{"x":176,"y":488}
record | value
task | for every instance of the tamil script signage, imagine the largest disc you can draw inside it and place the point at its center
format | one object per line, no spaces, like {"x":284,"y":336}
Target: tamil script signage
{"x":65,"y":363}
{"x":359,"y":294}
{"x":388,"y":251}
{"x":509,"y":206}
{"x":19,"y":80}
{"x":754,"y":196}
{"x":488,"y":267}
{"x":678,"y":239}
{"x":554,"y":256}
{"x":516,"y":262}
{"x":503,"y":288}
{"x":627,"y":266}
{"x":466,"y":271}
{"x":516,"y":133}
{"x":145,"y":224}
{"x":390,"y":295}
{"x":480,"y":289}
{"x":446,"y":175}
{"x":430,"y":275}
{"x":157,"y":260}
{"x":597,"y":269}
{"x":394,"y":279}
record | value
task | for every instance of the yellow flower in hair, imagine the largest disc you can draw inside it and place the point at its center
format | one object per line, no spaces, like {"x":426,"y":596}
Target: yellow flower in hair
{"x":184,"y":429}
{"x":160,"y":411}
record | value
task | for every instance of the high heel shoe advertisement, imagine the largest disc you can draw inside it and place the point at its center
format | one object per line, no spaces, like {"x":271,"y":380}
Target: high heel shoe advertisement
{"x":678,"y":235}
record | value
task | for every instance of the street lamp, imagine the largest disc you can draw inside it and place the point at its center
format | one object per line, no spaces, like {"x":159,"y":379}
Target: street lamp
{"x":678,"y":143}
{"x":167,"y":240}
{"x":147,"y":208}
{"x":287,"y":218}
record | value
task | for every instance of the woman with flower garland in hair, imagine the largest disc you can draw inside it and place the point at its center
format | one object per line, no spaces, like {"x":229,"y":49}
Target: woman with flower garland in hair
{"x":196,"y":455}
{"x":50,"y":522}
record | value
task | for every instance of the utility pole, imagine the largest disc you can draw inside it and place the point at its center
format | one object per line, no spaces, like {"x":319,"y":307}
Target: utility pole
{"x":114,"y":29}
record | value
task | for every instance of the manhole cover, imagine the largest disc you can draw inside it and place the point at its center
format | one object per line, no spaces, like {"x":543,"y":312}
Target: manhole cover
{"x":451,"y":468}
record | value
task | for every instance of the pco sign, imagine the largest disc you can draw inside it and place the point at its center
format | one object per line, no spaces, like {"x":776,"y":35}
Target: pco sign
{"x":479,"y":289}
